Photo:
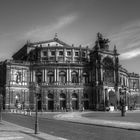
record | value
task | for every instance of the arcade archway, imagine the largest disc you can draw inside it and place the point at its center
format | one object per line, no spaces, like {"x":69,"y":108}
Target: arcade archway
{"x":50,"y":101}
{"x":86,"y":101}
{"x":74,"y":101}
{"x":62,"y":101}
{"x":112,"y":98}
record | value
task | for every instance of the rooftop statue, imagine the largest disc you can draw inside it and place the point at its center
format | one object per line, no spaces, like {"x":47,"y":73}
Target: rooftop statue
{"x":101,"y":42}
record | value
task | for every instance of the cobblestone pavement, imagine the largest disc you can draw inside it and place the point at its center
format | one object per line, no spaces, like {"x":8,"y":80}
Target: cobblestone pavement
{"x":9,"y":131}
{"x":110,"y":119}
{"x":103,"y":119}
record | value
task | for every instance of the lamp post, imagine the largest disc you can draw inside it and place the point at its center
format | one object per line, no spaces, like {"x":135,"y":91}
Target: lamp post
{"x":36,"y":113}
{"x":123,"y":102}
{"x":38,"y":76}
{"x":97,"y":105}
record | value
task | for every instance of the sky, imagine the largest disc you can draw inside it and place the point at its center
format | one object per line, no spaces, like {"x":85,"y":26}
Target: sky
{"x":75,"y":22}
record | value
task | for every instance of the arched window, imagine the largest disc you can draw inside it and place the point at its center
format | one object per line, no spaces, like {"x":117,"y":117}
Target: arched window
{"x":85,"y":96}
{"x":108,"y":67}
{"x":62,"y":77}
{"x":62,"y":101}
{"x":85,"y":78}
{"x":50,"y":101}
{"x":86,"y":101}
{"x":50,"y":76}
{"x":50,"y":96}
{"x":74,"y":96}
{"x":74,"y":77}
{"x":74,"y":101}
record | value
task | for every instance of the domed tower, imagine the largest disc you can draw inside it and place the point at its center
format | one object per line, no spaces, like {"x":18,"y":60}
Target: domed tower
{"x":104,"y":63}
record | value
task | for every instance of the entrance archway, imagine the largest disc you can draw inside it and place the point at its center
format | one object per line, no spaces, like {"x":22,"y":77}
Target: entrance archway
{"x":112,"y":98}
{"x":50,"y":101}
{"x":86,"y":101}
{"x":74,"y":101}
{"x":62,"y":101}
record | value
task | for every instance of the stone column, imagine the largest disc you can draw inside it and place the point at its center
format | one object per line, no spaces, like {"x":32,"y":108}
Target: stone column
{"x":67,"y":100}
{"x":101,"y":74}
{"x":64,"y":55}
{"x":45,"y":75}
{"x":55,"y":75}
{"x":46,"y":98}
{"x":103,"y":96}
{"x":79,"y":99}
{"x":70,"y":100}
{"x":72,"y":55}
{"x":79,"y":75}
{"x":56,"y":101}
{"x":70,"y":75}
{"x":33,"y":76}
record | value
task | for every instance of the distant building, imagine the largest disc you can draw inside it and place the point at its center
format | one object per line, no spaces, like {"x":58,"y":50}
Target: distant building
{"x":70,"y":77}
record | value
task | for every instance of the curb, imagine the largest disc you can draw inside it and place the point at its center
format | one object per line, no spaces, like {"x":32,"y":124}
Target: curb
{"x":98,"y":122}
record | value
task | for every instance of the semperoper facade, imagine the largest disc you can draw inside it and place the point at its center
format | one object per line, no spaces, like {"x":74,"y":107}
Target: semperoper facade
{"x":71,"y":77}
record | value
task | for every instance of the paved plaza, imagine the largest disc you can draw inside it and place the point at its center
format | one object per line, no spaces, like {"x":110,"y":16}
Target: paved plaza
{"x":108,"y":119}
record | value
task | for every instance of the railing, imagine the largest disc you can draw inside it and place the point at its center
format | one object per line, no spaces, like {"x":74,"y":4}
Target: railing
{"x":62,"y":84}
{"x":18,"y":62}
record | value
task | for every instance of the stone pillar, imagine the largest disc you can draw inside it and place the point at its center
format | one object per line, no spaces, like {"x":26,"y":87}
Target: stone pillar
{"x":46,"y":102}
{"x":64,"y":55}
{"x":79,"y":75}
{"x":33,"y":76}
{"x":67,"y":100}
{"x":70,"y":100}
{"x":103,"y":96}
{"x":106,"y":97}
{"x":72,"y":55}
{"x":79,"y":99}
{"x":56,"y":101}
{"x":101,"y":73}
{"x":45,"y":75}
{"x":68,"y":75}
{"x":56,"y":55}
{"x":55,"y":75}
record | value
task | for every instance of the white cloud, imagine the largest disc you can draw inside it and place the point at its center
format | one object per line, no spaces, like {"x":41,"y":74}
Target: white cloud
{"x":130,"y":54}
{"x":127,"y":40}
{"x":41,"y":31}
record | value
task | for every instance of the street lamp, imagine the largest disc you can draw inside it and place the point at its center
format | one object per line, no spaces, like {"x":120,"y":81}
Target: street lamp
{"x":38,"y":76}
{"x":123,"y":102}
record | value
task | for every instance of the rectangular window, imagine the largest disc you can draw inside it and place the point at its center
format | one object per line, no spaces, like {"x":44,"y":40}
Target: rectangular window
{"x":76,"y":53}
{"x":60,"y":52}
{"x":68,"y":53}
{"x":44,"y":53}
{"x":52,"y":52}
{"x":83,"y":54}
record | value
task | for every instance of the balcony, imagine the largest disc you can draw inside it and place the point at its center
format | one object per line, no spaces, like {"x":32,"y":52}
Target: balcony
{"x":59,"y":84}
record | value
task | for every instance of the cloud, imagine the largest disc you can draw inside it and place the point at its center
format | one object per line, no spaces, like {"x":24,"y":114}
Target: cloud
{"x":127,"y":40}
{"x":41,"y":31}
{"x":130,"y":54}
